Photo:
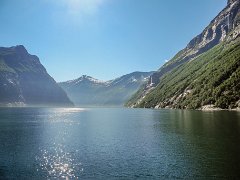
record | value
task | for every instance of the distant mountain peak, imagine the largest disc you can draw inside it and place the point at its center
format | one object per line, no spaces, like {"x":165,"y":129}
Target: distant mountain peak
{"x":87,"y":90}
{"x":89,"y":78}
{"x":86,"y":78}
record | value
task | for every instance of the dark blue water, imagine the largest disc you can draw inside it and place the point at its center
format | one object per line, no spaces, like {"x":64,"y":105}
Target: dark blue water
{"x":41,"y":143}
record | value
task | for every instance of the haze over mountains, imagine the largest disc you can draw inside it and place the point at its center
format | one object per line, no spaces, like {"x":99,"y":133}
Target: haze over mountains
{"x":87,"y":91}
{"x":24,"y":81}
{"x":204,"y":74}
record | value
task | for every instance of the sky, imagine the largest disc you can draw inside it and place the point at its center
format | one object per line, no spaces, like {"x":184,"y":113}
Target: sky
{"x":103,"y":38}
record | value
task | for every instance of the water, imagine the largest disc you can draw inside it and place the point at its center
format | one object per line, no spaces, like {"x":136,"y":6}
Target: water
{"x":101,"y":143}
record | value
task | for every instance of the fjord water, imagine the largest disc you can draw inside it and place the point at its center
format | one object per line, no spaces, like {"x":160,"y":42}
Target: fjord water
{"x":118,"y":143}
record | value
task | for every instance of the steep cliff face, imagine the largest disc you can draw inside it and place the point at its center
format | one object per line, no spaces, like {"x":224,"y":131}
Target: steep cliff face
{"x":24,"y":80}
{"x":210,"y":80}
{"x":216,"y":32}
{"x":225,"y":27}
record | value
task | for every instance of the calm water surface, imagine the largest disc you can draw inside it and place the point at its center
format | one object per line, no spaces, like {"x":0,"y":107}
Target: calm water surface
{"x":100,"y":143}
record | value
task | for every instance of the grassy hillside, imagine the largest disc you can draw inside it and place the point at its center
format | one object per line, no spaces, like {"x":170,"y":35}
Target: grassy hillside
{"x":213,"y":78}
{"x":205,"y":72}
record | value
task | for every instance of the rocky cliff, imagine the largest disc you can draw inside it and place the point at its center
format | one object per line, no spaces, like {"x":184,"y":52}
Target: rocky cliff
{"x":224,"y":28}
{"x":24,"y":81}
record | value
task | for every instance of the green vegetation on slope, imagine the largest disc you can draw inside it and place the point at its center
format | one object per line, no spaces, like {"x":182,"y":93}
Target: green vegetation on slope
{"x":24,"y":80}
{"x":5,"y":68}
{"x":211,"y":78}
{"x":135,"y":96}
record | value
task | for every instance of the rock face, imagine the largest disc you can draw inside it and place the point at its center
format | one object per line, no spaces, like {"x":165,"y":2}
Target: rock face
{"x":216,"y":32}
{"x":24,"y":81}
{"x":224,"y":28}
{"x":231,"y":1}
{"x":87,"y":91}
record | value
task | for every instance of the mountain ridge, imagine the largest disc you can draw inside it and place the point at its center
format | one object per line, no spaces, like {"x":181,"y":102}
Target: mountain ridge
{"x":24,"y":81}
{"x":89,"y":91}
{"x":223,"y":28}
{"x":84,"y":78}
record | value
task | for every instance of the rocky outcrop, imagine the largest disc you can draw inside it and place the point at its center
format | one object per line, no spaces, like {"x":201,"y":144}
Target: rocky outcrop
{"x":24,"y":81}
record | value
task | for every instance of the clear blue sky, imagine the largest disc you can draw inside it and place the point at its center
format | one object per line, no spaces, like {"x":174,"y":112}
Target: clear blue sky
{"x":103,"y":38}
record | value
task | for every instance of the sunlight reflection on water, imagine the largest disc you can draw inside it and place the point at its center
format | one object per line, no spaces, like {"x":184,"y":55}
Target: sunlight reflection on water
{"x":61,"y":115}
{"x":70,"y":110}
{"x":58,"y":143}
{"x":58,"y":163}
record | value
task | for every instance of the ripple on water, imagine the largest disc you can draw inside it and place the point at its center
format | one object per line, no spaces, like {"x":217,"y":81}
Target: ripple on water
{"x":57,"y":163}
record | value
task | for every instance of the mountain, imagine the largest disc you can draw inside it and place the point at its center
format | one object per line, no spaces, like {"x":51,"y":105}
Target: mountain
{"x":204,"y":74}
{"x":87,"y":91}
{"x":24,"y":81}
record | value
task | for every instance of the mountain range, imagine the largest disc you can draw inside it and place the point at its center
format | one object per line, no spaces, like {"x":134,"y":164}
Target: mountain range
{"x":205,"y":74}
{"x":24,"y":81}
{"x":87,"y":91}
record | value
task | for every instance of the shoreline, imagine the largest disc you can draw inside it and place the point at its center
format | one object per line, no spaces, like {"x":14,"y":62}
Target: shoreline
{"x":204,"y":108}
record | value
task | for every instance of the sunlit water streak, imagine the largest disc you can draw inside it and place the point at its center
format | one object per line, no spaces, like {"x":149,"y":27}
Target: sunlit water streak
{"x":115,"y":143}
{"x":58,"y":163}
